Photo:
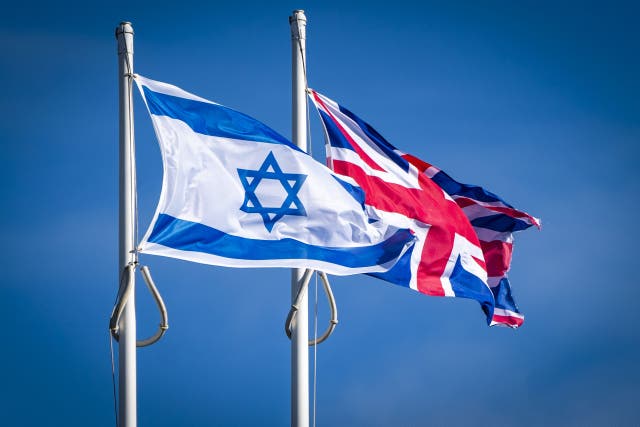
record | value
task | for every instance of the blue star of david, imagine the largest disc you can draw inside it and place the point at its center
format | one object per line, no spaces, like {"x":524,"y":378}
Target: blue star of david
{"x":291,"y":182}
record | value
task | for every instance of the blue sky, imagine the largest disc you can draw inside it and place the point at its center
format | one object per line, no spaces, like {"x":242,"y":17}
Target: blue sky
{"x":536,"y":101}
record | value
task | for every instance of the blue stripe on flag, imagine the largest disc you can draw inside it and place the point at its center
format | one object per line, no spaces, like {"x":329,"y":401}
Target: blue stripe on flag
{"x":503,"y":297}
{"x":336,"y":138}
{"x":467,"y":285}
{"x":399,"y":274}
{"x":501,"y":223}
{"x":212,"y":119}
{"x":191,"y":236}
{"x":474,"y":192}
{"x":356,"y":192}
{"x":377,"y":139}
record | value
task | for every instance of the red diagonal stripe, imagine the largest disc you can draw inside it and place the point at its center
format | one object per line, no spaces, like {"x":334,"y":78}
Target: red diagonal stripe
{"x":368,"y":160}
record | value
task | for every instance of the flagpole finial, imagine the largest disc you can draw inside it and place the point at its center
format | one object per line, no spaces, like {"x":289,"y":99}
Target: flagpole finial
{"x":124,"y":27}
{"x":298,"y":23}
{"x":124,"y":35}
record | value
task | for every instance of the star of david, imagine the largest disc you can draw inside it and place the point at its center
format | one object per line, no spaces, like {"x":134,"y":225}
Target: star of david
{"x":291,"y":182}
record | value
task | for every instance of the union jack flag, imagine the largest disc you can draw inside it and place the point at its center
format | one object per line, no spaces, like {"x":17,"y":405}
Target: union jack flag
{"x":463,"y":232}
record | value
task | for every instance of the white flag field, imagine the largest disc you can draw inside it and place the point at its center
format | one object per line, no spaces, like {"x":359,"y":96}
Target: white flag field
{"x":236,"y":193}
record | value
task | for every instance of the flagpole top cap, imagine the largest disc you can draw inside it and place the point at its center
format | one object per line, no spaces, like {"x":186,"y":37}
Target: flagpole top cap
{"x":297,"y":15}
{"x":124,"y":35}
{"x":124,"y":27}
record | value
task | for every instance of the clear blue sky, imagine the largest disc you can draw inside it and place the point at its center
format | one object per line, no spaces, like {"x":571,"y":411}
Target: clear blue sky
{"x":536,"y":101}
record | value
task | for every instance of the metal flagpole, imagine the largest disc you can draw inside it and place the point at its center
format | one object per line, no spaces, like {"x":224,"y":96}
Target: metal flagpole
{"x":127,"y":413}
{"x":300,"y":331}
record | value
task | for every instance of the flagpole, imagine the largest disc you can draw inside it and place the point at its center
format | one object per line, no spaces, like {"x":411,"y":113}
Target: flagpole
{"x":127,"y":413}
{"x":300,"y":327}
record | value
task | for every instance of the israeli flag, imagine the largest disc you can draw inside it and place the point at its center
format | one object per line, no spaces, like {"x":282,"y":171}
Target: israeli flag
{"x":236,"y":193}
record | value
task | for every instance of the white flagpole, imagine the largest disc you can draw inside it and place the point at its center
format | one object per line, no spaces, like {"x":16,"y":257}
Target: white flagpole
{"x":127,"y":413}
{"x":300,"y":328}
